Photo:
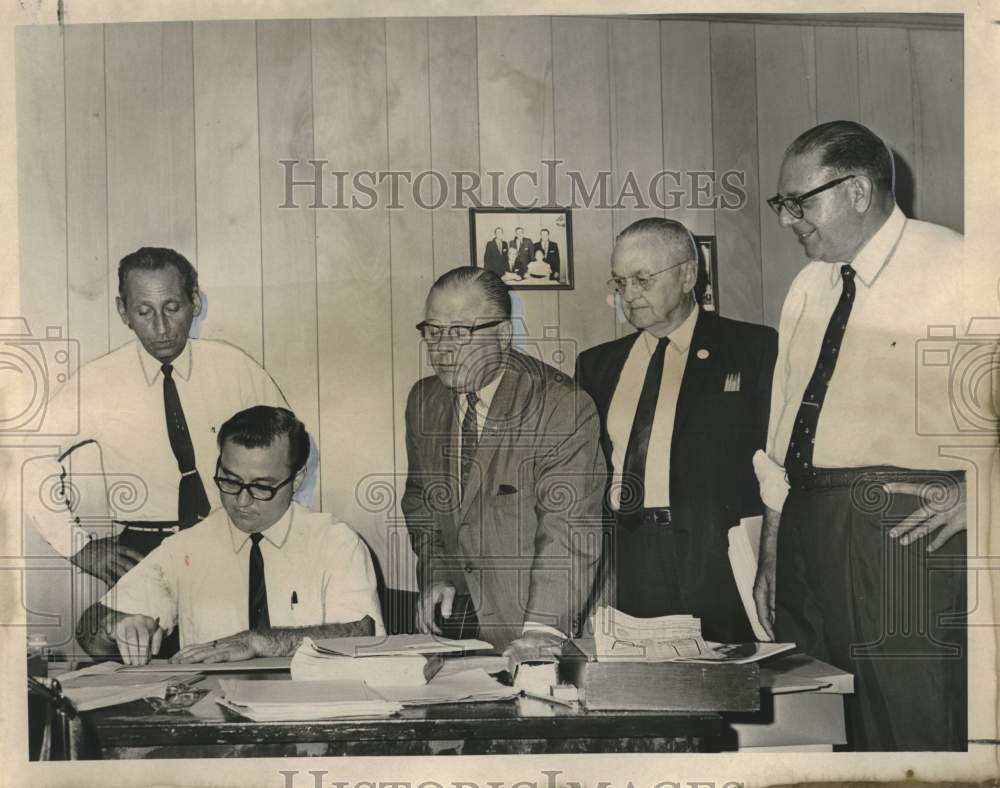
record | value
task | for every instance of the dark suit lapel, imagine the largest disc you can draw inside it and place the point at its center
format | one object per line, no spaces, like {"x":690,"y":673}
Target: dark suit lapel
{"x":498,"y":421}
{"x":612,"y":361}
{"x":703,"y":358}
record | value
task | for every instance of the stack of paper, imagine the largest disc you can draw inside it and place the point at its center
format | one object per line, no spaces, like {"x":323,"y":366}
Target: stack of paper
{"x":399,"y":660}
{"x":106,"y":684}
{"x":619,"y":636}
{"x":462,"y":687}
{"x":296,"y":701}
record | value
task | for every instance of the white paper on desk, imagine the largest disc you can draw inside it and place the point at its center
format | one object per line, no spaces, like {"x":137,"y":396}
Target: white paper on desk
{"x":397,"y":645}
{"x":279,"y":700}
{"x":462,"y":687}
{"x":162,"y":665}
{"x":621,"y":637}
{"x":90,"y":698}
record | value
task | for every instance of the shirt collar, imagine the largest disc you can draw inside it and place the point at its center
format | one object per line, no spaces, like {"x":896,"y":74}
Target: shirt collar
{"x":276,"y":534}
{"x":486,"y":394}
{"x":680,"y":337}
{"x":876,"y":253}
{"x":151,"y":366}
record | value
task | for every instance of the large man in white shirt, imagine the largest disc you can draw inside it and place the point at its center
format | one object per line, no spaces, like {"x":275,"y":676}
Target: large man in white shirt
{"x":505,"y":477}
{"x":149,"y":415}
{"x":254,"y":577}
{"x":683,"y":404}
{"x":867,"y":568}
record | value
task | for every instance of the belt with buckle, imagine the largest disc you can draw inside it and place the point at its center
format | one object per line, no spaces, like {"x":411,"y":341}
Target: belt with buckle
{"x":658,"y":516}
{"x":153,"y":526}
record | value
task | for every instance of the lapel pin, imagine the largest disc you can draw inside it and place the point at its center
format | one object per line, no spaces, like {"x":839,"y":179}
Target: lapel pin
{"x":702,"y":354}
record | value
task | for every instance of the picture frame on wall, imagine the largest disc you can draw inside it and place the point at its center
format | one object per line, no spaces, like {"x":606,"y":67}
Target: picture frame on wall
{"x":529,"y":248}
{"x":707,"y":285}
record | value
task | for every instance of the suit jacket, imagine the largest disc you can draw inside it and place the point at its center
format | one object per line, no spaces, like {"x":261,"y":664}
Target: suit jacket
{"x":551,"y":256}
{"x":495,"y":259}
{"x":524,"y":541}
{"x":716,"y":432}
{"x":525,"y":253}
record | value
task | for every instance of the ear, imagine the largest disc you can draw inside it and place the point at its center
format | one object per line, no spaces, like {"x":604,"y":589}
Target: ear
{"x":196,"y":300}
{"x":506,"y":333}
{"x":690,"y":276}
{"x":861,"y":190}
{"x":300,"y":477}
{"x":122,"y":312}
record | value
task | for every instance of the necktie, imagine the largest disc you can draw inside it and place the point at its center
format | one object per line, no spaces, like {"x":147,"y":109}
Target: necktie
{"x":634,"y":468}
{"x":192,"y":501}
{"x":257,"y":599}
{"x":799,"y":457}
{"x":470,"y":436}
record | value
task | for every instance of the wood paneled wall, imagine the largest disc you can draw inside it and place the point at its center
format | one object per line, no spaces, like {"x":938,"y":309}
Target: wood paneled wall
{"x":171,"y":134}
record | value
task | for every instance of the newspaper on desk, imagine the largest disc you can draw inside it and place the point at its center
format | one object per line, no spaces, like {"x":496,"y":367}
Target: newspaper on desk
{"x":620,"y":637}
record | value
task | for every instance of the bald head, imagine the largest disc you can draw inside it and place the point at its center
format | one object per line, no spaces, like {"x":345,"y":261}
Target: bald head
{"x":669,"y":239}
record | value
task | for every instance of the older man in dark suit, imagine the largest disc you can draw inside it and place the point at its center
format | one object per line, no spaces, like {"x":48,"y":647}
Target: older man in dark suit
{"x":503,"y":493}
{"x":683,"y":405}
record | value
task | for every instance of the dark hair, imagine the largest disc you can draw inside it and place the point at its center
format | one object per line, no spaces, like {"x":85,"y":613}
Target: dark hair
{"x":153,"y":258}
{"x":848,"y":147}
{"x":492,"y":286}
{"x":259,"y":426}
{"x":544,"y":230}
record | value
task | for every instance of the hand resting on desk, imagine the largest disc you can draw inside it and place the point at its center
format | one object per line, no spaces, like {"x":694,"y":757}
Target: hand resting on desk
{"x":138,"y":637}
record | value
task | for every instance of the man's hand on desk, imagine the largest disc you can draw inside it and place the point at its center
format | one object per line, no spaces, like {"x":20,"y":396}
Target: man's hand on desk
{"x":533,"y":645}
{"x":106,"y":559}
{"x":930,"y":516}
{"x":235,"y":648}
{"x":439,"y":593}
{"x":138,"y":637}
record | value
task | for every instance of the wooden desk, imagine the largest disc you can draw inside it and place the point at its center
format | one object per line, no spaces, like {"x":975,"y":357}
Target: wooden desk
{"x":523,"y":725}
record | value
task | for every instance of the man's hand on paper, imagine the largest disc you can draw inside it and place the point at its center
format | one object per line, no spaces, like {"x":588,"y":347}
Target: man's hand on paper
{"x":107,"y":559}
{"x":767,"y":562}
{"x":534,"y":645}
{"x":235,"y":648}
{"x":439,"y":593}
{"x":930,"y":516}
{"x":138,"y":637}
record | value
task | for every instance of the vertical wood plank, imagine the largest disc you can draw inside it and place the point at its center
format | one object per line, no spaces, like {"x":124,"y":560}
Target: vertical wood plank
{"x":938,"y":102}
{"x":837,"y":96}
{"x":454,"y":119}
{"x":580,"y":55}
{"x":87,"y":191}
{"x":288,"y":235}
{"x":151,"y":188}
{"x":411,"y":251}
{"x":686,"y":70}
{"x":515,"y":133}
{"x":353,"y":271}
{"x":41,"y":177}
{"x":786,"y":106}
{"x":228,"y":182}
{"x":734,"y":140}
{"x":637,"y":116}
{"x":887,"y":104}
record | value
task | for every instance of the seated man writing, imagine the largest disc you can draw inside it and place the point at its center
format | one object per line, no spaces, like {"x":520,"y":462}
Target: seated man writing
{"x":254,"y":577}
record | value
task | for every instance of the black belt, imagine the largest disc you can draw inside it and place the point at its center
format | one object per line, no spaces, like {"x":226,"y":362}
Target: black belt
{"x":829,"y":478}
{"x":658,"y":516}
{"x":152,"y":526}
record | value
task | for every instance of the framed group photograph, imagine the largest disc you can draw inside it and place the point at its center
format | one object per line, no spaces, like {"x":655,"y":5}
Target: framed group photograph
{"x":530,"y":249}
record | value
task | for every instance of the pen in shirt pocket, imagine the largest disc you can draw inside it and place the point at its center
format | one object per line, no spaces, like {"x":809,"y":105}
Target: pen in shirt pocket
{"x":295,"y":600}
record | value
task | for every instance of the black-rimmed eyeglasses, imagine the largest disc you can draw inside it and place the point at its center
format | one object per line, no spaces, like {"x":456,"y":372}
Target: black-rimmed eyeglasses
{"x":794,"y":204}
{"x":258,"y":491}
{"x":434,"y":333}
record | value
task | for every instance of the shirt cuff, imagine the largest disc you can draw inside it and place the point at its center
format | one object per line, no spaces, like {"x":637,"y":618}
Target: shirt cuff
{"x":532,"y":626}
{"x":772,"y":480}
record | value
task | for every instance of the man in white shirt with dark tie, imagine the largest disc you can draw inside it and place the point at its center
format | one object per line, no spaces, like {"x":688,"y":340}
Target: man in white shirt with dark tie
{"x":255,"y":576}
{"x":866,"y":570}
{"x":149,"y":416}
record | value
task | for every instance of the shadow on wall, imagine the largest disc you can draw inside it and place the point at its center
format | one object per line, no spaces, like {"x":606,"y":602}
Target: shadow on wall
{"x":904,"y":184}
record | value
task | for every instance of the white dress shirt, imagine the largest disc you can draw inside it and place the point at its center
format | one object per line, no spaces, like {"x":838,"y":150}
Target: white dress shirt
{"x":621,"y":412}
{"x":199,"y":578}
{"x":123,"y":444}
{"x":888,"y":403}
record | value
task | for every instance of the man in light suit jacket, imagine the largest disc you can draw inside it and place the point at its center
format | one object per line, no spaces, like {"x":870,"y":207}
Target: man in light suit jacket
{"x":503,"y":494}
{"x":683,"y":406}
{"x":495,"y":256}
{"x":550,"y":251}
